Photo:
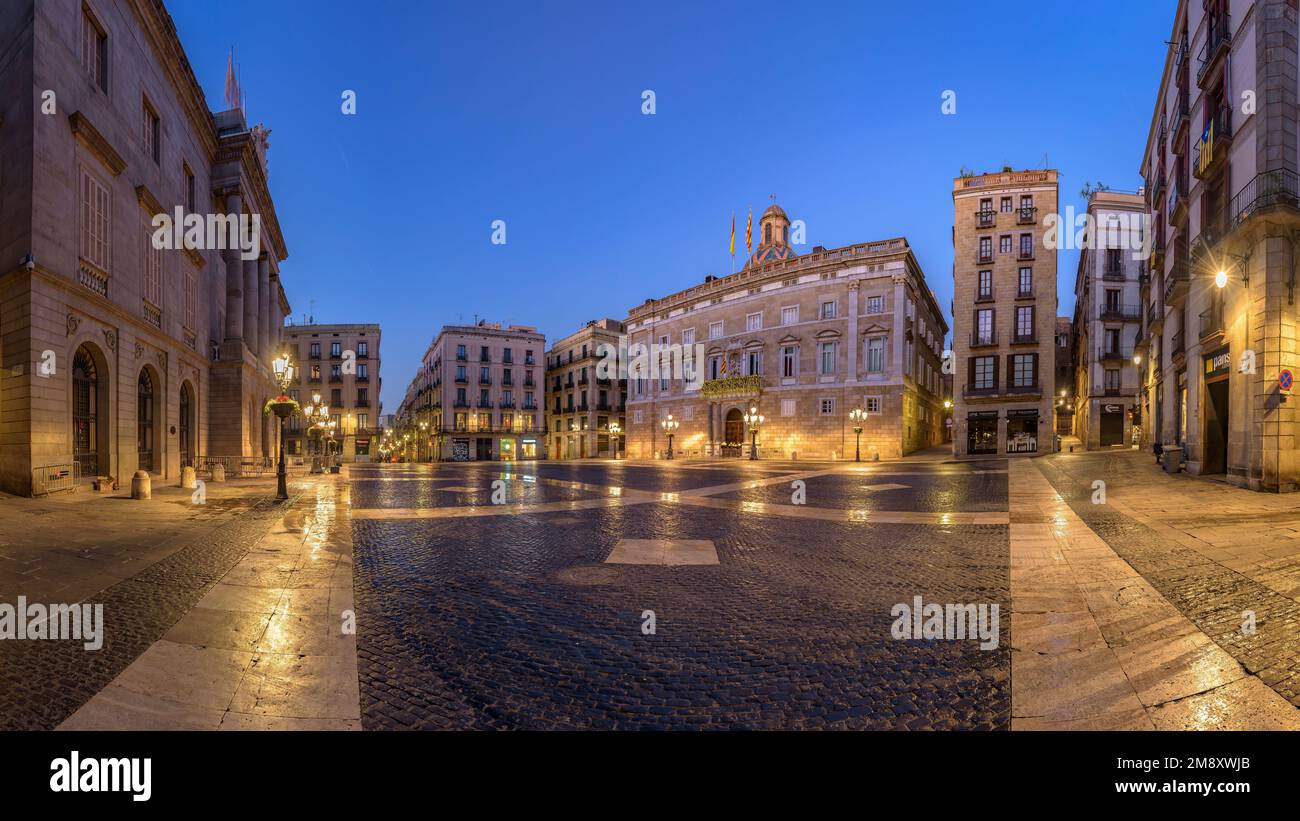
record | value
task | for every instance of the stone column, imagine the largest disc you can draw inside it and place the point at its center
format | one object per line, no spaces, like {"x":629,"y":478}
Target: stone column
{"x":234,"y":281}
{"x":267,"y":350}
{"x":853,"y":332}
{"x":252,"y":318}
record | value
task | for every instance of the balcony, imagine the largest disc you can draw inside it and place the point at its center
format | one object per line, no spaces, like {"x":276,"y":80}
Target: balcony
{"x":506,"y":403}
{"x":462,"y":380}
{"x":1181,"y":115}
{"x":1267,"y":191}
{"x":1157,"y":187}
{"x":986,"y":219}
{"x":1218,"y":37}
{"x":1024,"y":339}
{"x":971,"y":392}
{"x":1024,"y":390}
{"x":1155,"y":318}
{"x":603,"y":407}
{"x":1211,"y":323}
{"x":1178,"y":198}
{"x":1211,"y":150}
{"x":1120,"y":313}
{"x":1027,"y":215}
{"x":485,"y":381}
{"x":985,"y":340}
{"x":1176,"y":282}
{"x":529,"y":405}
{"x":583,"y":382}
{"x":460,"y":403}
{"x":1111,"y":355}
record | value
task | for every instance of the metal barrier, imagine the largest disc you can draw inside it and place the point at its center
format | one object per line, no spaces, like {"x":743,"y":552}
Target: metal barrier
{"x":237,"y":467}
{"x":49,"y":479}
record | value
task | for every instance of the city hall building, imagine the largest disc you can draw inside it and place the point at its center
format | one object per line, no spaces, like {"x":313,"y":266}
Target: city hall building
{"x":116,"y":355}
{"x":1220,"y":307}
{"x":804,"y":339}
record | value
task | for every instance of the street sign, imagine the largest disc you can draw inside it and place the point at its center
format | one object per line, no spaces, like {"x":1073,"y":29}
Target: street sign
{"x":1284,"y":380}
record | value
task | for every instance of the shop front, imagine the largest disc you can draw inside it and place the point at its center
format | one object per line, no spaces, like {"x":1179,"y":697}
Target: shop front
{"x":982,"y":433}
{"x":1022,"y":431}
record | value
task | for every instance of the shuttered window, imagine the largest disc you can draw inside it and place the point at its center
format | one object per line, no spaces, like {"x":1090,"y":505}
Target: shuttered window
{"x":94,"y":221}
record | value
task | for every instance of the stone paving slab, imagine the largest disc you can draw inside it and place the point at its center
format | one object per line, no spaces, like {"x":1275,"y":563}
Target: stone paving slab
{"x":1169,"y":579}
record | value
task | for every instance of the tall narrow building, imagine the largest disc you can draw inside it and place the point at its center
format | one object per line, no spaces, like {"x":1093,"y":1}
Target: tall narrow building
{"x":1004,"y":313}
{"x":1108,"y":320}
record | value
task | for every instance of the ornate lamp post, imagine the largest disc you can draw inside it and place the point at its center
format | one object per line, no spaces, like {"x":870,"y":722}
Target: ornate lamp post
{"x":318,"y":415}
{"x":753,"y":419}
{"x":283,"y":407}
{"x":614,"y":431}
{"x":859,"y":416}
{"x":670,"y":426}
{"x":424,"y":438}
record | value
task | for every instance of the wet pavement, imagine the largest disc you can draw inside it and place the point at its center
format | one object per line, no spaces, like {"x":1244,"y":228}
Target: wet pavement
{"x":511,"y":618}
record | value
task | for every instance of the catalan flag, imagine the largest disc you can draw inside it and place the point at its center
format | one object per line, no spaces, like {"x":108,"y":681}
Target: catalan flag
{"x":749,"y":231}
{"x":1207,"y":148}
{"x":733,"y":233}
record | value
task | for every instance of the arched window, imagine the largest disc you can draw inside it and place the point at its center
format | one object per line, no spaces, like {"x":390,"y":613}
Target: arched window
{"x":187,"y":425}
{"x":85,"y":416}
{"x":144,"y":420}
{"x":767,"y":233}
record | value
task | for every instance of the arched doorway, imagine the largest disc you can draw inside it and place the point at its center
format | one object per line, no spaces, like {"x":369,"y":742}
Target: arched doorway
{"x":733,"y":433}
{"x":187,"y":426}
{"x":89,"y":422}
{"x":144,"y":416}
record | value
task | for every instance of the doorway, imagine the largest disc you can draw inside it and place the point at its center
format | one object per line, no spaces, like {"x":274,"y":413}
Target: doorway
{"x":1112,"y":426}
{"x":1216,"y":427}
{"x":483,"y":449}
{"x":733,"y":431}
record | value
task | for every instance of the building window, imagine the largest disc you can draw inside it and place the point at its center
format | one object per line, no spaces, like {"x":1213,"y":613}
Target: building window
{"x":1026,"y":281}
{"x":336,"y":350}
{"x":715,"y":330}
{"x":151,"y":132}
{"x":336,"y":373}
{"x":872,"y":404}
{"x":789,"y":361}
{"x":460,"y":352}
{"x":688,"y":336}
{"x":1024,"y":322}
{"x":1026,"y":246}
{"x":1112,"y":379}
{"x":1006,"y":205}
{"x":191,"y":301}
{"x":753,"y":363}
{"x":190,"y":189}
{"x":314,"y":350}
{"x":827,"y":358}
{"x":151,"y":270}
{"x":1004,"y":244}
{"x":982,"y":377}
{"x":95,"y":216}
{"x":754,"y":322}
{"x":986,"y":248}
{"x":94,"y":51}
{"x":985,"y":285}
{"x":827,"y":406}
{"x":787,"y":407}
{"x":1023,"y":368}
{"x":828,"y":310}
{"x":875,"y":304}
{"x":790,"y":315}
{"x":363,"y":397}
{"x":984,"y":326}
{"x":876,"y":354}
{"x":363,"y":349}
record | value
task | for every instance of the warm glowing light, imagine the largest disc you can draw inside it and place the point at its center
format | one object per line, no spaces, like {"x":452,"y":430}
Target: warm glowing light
{"x":1221,"y":279}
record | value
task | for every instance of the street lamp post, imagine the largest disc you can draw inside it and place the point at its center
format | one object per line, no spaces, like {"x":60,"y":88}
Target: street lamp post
{"x":858,"y":415}
{"x":614,"y":431}
{"x":670,"y":426}
{"x":318,"y":417}
{"x":753,"y":419}
{"x":283,"y":406}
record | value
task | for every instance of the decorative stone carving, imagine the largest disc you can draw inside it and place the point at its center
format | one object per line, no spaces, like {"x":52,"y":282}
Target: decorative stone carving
{"x":139,"y":350}
{"x":74,"y":322}
{"x":110,"y":339}
{"x":162,"y":360}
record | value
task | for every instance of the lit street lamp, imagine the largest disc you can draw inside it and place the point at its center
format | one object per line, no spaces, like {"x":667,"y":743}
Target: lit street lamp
{"x":318,"y":415}
{"x":614,"y":431}
{"x":670,"y":426}
{"x":282,"y":407}
{"x":859,"y":416}
{"x":753,"y":419}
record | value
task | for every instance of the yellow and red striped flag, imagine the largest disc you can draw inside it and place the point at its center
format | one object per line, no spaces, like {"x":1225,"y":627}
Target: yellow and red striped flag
{"x":749,"y":230}
{"x":733,"y":233}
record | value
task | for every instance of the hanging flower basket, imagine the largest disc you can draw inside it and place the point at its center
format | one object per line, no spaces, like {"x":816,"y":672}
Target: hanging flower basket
{"x":282,"y":406}
{"x":735,"y":386}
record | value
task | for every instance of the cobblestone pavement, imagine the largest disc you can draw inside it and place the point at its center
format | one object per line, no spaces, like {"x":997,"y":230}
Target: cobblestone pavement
{"x":147,"y":563}
{"x":1216,"y":552}
{"x":513,"y":620}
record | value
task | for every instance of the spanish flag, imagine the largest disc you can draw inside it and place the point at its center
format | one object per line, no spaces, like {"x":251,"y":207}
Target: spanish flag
{"x":749,"y":231}
{"x":733,"y":233}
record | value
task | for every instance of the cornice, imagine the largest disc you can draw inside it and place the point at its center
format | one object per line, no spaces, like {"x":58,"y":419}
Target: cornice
{"x":96,"y":143}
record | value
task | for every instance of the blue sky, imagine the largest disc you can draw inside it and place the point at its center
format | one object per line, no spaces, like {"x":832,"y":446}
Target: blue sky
{"x":531,"y":114}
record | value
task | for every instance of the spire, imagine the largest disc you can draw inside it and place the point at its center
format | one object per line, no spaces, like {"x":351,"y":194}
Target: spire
{"x":234,"y":95}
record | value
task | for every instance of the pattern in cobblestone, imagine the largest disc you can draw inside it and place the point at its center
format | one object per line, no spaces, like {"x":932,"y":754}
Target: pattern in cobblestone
{"x":43,"y":682}
{"x":1212,"y":596}
{"x":513,"y":622}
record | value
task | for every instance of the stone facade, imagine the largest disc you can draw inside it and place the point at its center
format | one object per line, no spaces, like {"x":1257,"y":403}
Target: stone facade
{"x":579,"y":404}
{"x":477,"y":396}
{"x":804,"y":340}
{"x":1004,"y":314}
{"x":118,"y":356}
{"x":1108,"y":321}
{"x":1220,"y":316}
{"x":341,"y":364}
